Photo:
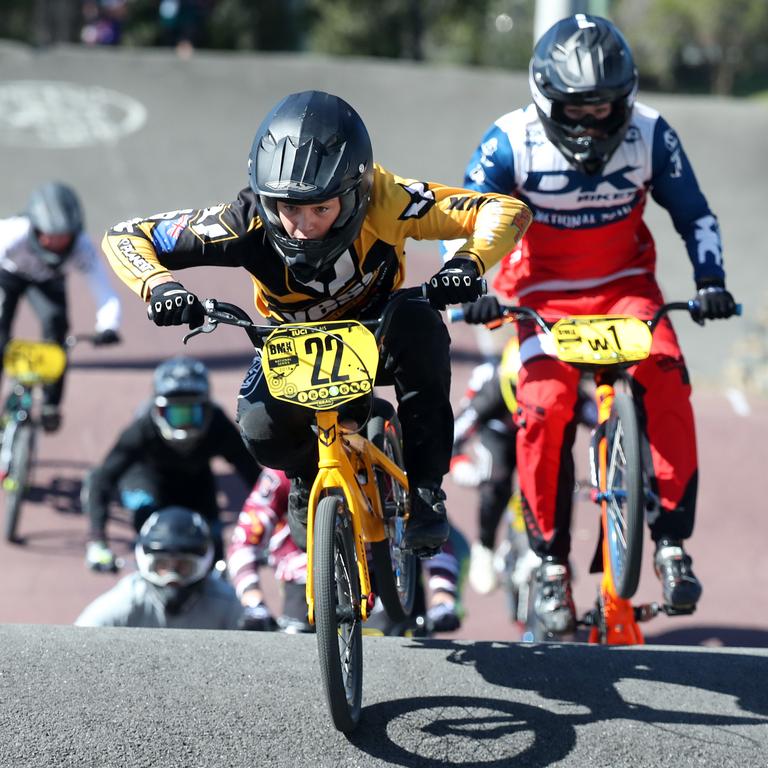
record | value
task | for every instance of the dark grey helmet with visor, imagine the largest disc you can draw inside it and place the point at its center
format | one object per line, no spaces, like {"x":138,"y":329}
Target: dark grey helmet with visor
{"x":181,"y":408}
{"x":54,"y":209}
{"x":579,"y":61}
{"x":310,"y":148}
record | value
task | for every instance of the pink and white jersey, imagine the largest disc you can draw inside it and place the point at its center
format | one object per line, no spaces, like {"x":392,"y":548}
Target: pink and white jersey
{"x":261,"y":536}
{"x":588,"y":229}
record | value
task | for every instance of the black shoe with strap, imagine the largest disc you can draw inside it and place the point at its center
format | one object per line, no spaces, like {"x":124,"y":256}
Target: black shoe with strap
{"x":427,"y":529}
{"x":680,"y":587}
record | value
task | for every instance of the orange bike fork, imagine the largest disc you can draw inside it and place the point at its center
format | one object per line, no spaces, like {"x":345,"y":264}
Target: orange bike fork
{"x":618,"y":614}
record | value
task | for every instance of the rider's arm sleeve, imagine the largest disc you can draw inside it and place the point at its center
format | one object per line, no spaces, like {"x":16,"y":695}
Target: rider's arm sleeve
{"x":99,"y":284}
{"x":492,"y":165}
{"x":490,"y":169}
{"x":142,"y":250}
{"x":674,"y":186}
{"x":488,"y":225}
{"x":104,"y":478}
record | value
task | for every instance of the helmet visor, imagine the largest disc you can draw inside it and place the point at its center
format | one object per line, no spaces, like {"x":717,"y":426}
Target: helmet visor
{"x":173,"y":568}
{"x":183,"y":415}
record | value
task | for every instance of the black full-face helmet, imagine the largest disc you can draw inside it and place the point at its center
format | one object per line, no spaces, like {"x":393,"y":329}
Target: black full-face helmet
{"x":312,"y":147}
{"x":181,"y":408}
{"x":174,"y":553}
{"x":579,"y":61}
{"x":54,"y":209}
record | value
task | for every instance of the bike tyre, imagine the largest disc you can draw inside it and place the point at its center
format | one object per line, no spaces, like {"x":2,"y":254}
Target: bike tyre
{"x":336,"y":582}
{"x":395,"y":577}
{"x":626,"y":559}
{"x":16,"y":482}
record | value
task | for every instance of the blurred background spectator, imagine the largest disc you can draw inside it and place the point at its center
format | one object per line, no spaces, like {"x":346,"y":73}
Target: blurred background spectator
{"x":103,"y":21}
{"x":702,"y":46}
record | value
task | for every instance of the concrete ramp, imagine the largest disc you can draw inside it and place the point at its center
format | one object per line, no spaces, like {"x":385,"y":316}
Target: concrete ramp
{"x":132,"y":697}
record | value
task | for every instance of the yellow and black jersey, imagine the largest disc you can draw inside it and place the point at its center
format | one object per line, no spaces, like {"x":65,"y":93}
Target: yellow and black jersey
{"x":232,"y":235}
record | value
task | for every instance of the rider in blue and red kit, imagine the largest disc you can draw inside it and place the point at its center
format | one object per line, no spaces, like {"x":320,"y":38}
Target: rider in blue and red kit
{"x":584,"y":156}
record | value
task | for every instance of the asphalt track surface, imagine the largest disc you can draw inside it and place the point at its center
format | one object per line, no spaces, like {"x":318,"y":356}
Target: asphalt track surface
{"x":138,"y":133}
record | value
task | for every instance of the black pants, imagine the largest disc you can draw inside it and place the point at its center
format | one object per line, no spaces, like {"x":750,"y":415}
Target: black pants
{"x":497,"y":488}
{"x":49,"y":301}
{"x":415,"y":357}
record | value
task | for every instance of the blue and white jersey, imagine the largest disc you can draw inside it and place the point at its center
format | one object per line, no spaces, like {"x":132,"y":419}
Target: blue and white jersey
{"x":588,"y":230}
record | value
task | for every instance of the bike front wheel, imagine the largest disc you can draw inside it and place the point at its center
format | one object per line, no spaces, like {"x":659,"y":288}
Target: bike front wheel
{"x":16,"y":481}
{"x":395,"y":569}
{"x":622,"y":489}
{"x":338,"y":622}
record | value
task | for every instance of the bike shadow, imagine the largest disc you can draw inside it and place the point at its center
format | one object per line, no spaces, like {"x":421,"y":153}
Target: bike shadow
{"x":555,"y":688}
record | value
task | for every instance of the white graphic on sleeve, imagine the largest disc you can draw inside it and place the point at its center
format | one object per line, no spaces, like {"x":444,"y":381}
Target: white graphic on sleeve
{"x":488,"y":148}
{"x":477,"y":174}
{"x":209,"y":227}
{"x":421,"y":197}
{"x":707,"y":235}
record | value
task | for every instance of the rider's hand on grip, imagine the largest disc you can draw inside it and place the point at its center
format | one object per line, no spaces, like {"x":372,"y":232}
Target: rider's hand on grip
{"x":106,"y":337}
{"x":172,"y":304}
{"x":457,"y":282}
{"x":484,"y":310}
{"x":715,"y":302}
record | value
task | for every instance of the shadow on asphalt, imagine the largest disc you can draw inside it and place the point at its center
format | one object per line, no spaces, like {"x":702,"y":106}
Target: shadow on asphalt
{"x":713,"y":637}
{"x":557,"y":673}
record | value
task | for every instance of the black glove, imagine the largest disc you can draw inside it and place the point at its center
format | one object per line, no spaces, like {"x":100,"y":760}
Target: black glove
{"x":485,"y":309}
{"x":105,"y":337}
{"x":714,"y":301}
{"x":172,"y":304}
{"x":257,"y":618}
{"x":455,"y":283}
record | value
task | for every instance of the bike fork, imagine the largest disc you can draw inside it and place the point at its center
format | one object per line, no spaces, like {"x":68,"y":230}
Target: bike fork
{"x":618,"y":625}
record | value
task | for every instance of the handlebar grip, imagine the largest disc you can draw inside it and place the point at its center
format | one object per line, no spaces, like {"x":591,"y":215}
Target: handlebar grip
{"x":455,"y":314}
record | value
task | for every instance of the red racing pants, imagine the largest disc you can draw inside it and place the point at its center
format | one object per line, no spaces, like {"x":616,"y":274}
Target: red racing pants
{"x":547,"y":394}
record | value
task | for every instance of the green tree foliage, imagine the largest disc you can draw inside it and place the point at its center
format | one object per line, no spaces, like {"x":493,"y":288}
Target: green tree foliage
{"x":483,"y":32}
{"x":704,"y":45}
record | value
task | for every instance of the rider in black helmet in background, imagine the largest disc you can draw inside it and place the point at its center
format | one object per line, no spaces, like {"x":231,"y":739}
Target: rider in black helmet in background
{"x":173,"y":587}
{"x":37,"y":248}
{"x":321,"y":229}
{"x":163,"y":458}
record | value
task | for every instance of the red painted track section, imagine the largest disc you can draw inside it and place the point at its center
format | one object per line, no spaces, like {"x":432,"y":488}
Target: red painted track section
{"x":47,"y":582}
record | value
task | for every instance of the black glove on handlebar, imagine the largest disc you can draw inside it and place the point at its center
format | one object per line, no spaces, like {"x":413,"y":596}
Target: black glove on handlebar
{"x":455,"y":283}
{"x":485,"y":309}
{"x":105,"y":337}
{"x":715,"y":302}
{"x":172,"y":304}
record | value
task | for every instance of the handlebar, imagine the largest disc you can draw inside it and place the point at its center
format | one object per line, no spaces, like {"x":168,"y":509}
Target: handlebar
{"x":692,"y":306}
{"x":230,"y":314}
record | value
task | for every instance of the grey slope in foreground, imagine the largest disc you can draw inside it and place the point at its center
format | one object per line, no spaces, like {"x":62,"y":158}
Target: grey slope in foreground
{"x":132,"y":697}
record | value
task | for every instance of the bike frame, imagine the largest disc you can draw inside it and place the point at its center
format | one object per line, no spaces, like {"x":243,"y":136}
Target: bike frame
{"x":346,"y":463}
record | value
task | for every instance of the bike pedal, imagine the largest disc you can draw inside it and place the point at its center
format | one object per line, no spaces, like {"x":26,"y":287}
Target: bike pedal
{"x":671,"y":610}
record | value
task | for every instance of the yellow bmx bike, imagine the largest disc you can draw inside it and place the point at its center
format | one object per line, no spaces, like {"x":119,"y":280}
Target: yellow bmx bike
{"x":359,"y":501}
{"x":29,"y":365}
